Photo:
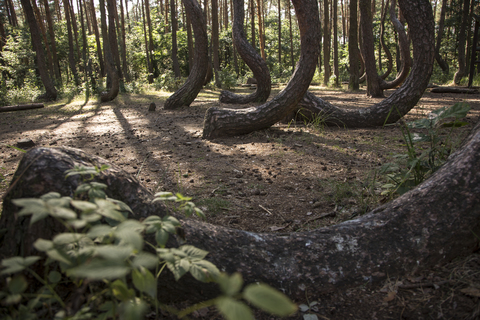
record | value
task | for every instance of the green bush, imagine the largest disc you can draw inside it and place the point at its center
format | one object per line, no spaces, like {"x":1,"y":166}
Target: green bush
{"x":101,"y":255}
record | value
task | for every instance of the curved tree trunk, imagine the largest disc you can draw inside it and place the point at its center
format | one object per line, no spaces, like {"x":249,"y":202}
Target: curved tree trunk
{"x":50,"y":91}
{"x":251,"y":58}
{"x":109,"y":62}
{"x":419,"y":18}
{"x":185,"y":95}
{"x":404,"y":52}
{"x":221,"y":122}
{"x":430,"y":225}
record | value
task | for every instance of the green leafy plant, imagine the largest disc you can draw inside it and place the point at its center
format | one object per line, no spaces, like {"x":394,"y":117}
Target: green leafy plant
{"x":427,"y":150}
{"x":100,"y":257}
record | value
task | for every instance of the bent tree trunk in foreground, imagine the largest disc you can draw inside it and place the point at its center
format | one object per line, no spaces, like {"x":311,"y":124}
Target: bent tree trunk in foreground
{"x":185,"y":95}
{"x":222,"y":122}
{"x":253,"y":60}
{"x":430,"y":225}
{"x":418,"y":14}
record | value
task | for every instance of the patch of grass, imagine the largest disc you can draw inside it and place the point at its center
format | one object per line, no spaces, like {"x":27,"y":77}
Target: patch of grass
{"x":213,"y":205}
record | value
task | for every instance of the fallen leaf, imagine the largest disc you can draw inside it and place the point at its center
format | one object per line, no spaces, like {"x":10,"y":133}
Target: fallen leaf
{"x":390,"y":296}
{"x":275,"y":228}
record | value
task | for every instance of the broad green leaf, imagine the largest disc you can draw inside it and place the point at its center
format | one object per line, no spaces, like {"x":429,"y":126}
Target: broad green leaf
{"x":194,"y":252}
{"x":99,"y":230}
{"x":144,"y":281}
{"x":172,"y":220}
{"x":59,"y":256}
{"x":268,"y":299}
{"x":100,"y":269}
{"x":77,"y":224}
{"x":166,"y":255}
{"x":420,"y":137}
{"x":43,"y":245}
{"x":54,"y":276}
{"x":90,"y":217}
{"x":109,"y":210}
{"x":133,"y":225}
{"x":112,"y":252}
{"x":133,"y":309}
{"x":81,"y":170}
{"x":83,"y":205}
{"x":17,"y":264}
{"x":152,"y":219}
{"x":123,"y":206}
{"x":12,"y":299}
{"x":204,"y":271}
{"x":51,"y":195}
{"x":168,"y":227}
{"x":232,"y":309}
{"x":230,"y":285}
{"x":455,"y":124}
{"x":121,"y":291}
{"x":145,"y":260}
{"x":458,"y":110}
{"x":17,"y":284}
{"x":63,"y":213}
{"x":127,"y":236}
{"x":161,"y":237}
{"x":66,"y":238}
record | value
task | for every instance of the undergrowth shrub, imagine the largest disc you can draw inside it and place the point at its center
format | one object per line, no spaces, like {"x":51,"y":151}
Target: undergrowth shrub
{"x":101,"y":259}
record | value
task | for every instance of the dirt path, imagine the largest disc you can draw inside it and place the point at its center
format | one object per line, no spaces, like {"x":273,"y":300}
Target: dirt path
{"x":290,"y":177}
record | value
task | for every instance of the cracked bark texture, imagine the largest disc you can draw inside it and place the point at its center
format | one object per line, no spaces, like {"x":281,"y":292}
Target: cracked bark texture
{"x":419,"y":16}
{"x":228,"y":122}
{"x":253,"y":60}
{"x":430,"y":225}
{"x":187,"y":93}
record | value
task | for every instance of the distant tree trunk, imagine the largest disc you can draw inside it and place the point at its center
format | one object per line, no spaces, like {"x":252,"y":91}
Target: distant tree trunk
{"x":126,"y":74}
{"x":223,"y":122}
{"x":150,"y":38}
{"x":261,"y":33}
{"x":419,"y":18}
{"x":190,"y":44}
{"x":3,"y":35}
{"x":441,"y":27}
{"x":44,"y":37}
{"x":252,"y":59}
{"x":373,"y":84}
{"x":279,"y":4}
{"x":252,"y":21}
{"x":190,"y":89}
{"x":215,"y":45}
{"x":112,"y":36}
{"x":71,"y":56}
{"x":292,"y":57}
{"x":147,"y":47}
{"x":12,"y":16}
{"x":50,"y":91}
{"x":51,"y":31}
{"x":175,"y":64}
{"x":97,"y":39}
{"x":326,"y":43}
{"x":382,"y":43}
{"x":353,"y":53}
{"x":336,"y":70}
{"x":84,"y":50}
{"x":462,"y":62}
{"x":109,"y":60}
{"x":73,"y":20}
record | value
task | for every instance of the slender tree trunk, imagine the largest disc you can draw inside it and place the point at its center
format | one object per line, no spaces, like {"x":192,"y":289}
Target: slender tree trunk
{"x":373,"y":84}
{"x":112,"y":35}
{"x":71,"y":56}
{"x":261,"y":34}
{"x":51,"y":31}
{"x":251,"y":58}
{"x":190,"y":89}
{"x":150,"y":37}
{"x":382,"y":42}
{"x":215,"y":45}
{"x":73,"y":20}
{"x":462,"y":62}
{"x":44,"y":37}
{"x":353,"y":53}
{"x":292,"y":58}
{"x":12,"y":16}
{"x":84,"y":51}
{"x":147,"y":47}
{"x":279,"y":5}
{"x":326,"y":43}
{"x":50,"y":91}
{"x":441,"y":27}
{"x":109,"y":60}
{"x":175,"y":64}
{"x":97,"y":39}
{"x":252,"y":22}
{"x":190,"y":44}
{"x":336,"y":69}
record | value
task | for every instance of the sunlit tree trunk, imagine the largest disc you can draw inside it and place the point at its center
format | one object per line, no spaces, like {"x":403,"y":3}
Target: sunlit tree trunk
{"x":252,"y":22}
{"x":71,"y":52}
{"x":336,"y":70}
{"x":175,"y":63}
{"x":97,"y":39}
{"x":12,"y":16}
{"x":126,"y":74}
{"x":147,"y":47}
{"x":353,"y":53}
{"x":215,"y":45}
{"x":279,"y":5}
{"x":44,"y":37}
{"x":51,"y":31}
{"x":50,"y":91}
{"x":292,"y":58}
{"x":326,"y":43}
{"x":261,"y":34}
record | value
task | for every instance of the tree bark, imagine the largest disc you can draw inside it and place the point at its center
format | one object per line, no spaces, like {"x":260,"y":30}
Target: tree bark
{"x":56,"y":65}
{"x":21,"y":107}
{"x":50,"y":91}
{"x":109,"y":61}
{"x":336,"y":69}
{"x":185,"y":95}
{"x":462,"y":62}
{"x":441,"y":26}
{"x":382,"y":43}
{"x":97,"y":39}
{"x":326,"y":43}
{"x":215,"y":45}
{"x":251,"y":58}
{"x":353,"y":52}
{"x":222,"y":122}
{"x":71,"y":56}
{"x":175,"y":64}
{"x":419,"y":18}
{"x":428,"y":226}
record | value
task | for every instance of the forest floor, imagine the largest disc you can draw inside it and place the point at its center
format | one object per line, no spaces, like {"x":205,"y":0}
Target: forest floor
{"x":290,"y":177}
